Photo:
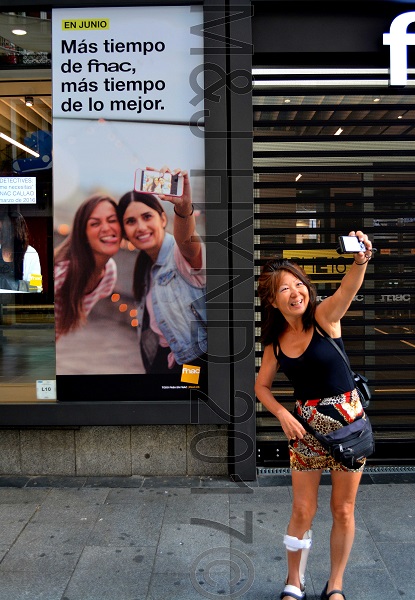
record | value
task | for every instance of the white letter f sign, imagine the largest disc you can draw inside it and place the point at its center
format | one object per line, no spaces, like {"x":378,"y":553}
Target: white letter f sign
{"x":398,"y":39}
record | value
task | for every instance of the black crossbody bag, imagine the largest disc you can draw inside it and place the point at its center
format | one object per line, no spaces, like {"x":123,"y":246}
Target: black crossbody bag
{"x":361,"y":382}
{"x":348,"y":445}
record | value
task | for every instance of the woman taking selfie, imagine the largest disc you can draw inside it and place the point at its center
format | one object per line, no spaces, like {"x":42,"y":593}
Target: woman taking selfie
{"x":324,"y":389}
{"x":169,"y":279}
{"x":85,"y":271}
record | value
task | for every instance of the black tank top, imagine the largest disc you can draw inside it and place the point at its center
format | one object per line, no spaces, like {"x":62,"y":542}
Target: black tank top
{"x":6,"y":268}
{"x":320,"y":372}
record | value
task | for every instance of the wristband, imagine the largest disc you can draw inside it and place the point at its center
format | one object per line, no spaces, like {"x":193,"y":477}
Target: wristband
{"x":181,"y":216}
{"x":368,"y":258}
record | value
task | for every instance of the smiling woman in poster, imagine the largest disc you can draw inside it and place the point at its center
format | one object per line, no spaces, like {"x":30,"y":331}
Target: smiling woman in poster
{"x":169,"y":278}
{"x":85,"y":271}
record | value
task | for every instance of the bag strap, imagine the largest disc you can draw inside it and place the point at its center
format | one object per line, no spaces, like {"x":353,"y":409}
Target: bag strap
{"x":275,"y":346}
{"x":333,"y":343}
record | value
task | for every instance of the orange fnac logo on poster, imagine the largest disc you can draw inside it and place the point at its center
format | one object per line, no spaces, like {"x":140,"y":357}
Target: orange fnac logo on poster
{"x":190,"y":374}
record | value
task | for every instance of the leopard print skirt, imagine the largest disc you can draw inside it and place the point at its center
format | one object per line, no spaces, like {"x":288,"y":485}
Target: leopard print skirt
{"x":324,"y":415}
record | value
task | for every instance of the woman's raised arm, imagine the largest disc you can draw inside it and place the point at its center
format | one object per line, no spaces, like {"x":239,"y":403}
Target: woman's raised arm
{"x":332,"y":309}
{"x":184,"y":230}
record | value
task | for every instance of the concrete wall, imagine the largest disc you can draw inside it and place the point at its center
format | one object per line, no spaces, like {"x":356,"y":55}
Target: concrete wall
{"x":111,"y":451}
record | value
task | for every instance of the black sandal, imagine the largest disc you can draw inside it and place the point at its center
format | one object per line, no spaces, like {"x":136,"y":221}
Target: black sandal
{"x":326,"y":596}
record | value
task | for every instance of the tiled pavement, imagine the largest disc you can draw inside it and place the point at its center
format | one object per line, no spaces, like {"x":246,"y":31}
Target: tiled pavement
{"x":154,"y":538}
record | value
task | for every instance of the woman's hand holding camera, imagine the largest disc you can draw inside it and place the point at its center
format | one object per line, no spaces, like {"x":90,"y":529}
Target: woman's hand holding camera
{"x":361,"y":258}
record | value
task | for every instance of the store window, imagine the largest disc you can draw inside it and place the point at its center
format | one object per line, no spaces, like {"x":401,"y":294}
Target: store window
{"x":326,"y":163}
{"x":121,"y":116}
{"x":27,"y":334}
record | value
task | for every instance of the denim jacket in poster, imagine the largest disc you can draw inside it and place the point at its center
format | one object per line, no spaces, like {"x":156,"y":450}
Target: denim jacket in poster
{"x":179,"y":309}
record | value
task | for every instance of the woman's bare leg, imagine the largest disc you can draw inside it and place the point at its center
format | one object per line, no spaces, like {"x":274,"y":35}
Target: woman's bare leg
{"x":305,"y":493}
{"x":343,"y":499}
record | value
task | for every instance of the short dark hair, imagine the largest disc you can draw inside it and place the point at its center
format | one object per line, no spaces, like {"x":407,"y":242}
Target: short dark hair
{"x":272,"y":321}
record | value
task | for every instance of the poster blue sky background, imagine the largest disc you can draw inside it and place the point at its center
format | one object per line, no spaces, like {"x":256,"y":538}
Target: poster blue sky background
{"x":93,"y":156}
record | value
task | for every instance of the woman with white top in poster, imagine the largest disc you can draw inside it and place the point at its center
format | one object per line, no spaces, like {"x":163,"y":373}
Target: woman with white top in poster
{"x":85,"y":271}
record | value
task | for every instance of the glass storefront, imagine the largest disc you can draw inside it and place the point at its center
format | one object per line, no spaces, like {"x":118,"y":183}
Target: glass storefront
{"x":326,"y":162}
{"x":26,"y":282}
{"x":118,"y":108}
{"x":333,"y":149}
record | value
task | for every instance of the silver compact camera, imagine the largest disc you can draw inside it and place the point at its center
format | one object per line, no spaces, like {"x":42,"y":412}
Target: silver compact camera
{"x":349,"y":244}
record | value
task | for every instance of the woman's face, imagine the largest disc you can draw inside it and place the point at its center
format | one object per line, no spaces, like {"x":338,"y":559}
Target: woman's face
{"x":103,"y":230}
{"x":144,"y":228}
{"x":292,"y":296}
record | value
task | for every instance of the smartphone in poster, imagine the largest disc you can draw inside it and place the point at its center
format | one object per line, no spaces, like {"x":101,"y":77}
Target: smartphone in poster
{"x":157,"y":182}
{"x":130,"y":310}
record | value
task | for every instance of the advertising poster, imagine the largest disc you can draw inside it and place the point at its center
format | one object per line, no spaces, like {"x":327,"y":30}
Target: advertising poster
{"x":22,"y":237}
{"x":130,"y":311}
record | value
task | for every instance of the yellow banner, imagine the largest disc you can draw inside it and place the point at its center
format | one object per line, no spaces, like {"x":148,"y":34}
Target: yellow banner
{"x":85,"y":24}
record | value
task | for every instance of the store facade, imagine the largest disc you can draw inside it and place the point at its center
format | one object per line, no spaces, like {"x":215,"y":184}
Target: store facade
{"x":332,"y":153}
{"x":331,"y":148}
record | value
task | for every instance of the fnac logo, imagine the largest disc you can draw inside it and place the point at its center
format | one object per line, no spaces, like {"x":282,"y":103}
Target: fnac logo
{"x":190,"y":374}
{"x":398,"y":39}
